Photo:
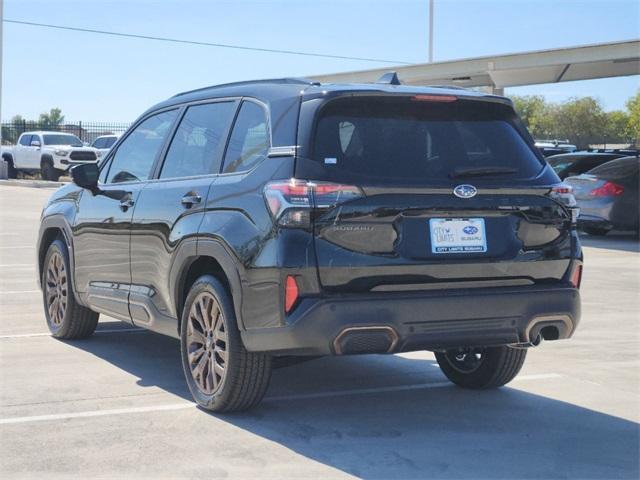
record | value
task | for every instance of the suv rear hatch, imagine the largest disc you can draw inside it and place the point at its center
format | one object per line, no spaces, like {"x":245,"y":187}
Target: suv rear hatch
{"x":428,"y":192}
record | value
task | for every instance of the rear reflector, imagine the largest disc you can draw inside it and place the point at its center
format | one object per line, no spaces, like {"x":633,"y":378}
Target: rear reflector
{"x":576,"y":276}
{"x":609,"y":189}
{"x":290,"y":293}
{"x":434,"y":98}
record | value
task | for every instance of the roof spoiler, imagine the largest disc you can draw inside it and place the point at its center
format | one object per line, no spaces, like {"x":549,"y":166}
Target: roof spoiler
{"x":389,"y":78}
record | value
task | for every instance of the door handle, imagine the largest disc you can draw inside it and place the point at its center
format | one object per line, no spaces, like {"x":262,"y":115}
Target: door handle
{"x":126,"y":203}
{"x":190,"y":200}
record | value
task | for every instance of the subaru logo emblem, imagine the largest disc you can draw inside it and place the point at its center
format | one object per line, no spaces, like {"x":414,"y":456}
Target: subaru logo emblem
{"x":465,"y":191}
{"x":470,"y":230}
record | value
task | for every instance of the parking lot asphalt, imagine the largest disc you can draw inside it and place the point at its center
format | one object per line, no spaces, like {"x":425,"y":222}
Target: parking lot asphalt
{"x":116,"y":404}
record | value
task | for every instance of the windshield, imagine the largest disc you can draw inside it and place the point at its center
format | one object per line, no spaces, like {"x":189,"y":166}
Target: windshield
{"x":561,"y":164}
{"x":62,"y":139}
{"x":405,"y":141}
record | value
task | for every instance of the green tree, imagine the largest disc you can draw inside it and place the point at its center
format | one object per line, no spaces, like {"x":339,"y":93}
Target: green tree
{"x":537,"y":115}
{"x":51,"y":119}
{"x":633,"y":122}
{"x":581,"y":120}
{"x":616,"y":127}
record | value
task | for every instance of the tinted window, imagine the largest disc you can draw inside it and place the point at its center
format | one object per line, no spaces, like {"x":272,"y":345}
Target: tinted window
{"x":62,"y":139}
{"x":403,"y":141}
{"x":135,"y":155}
{"x":98,"y":143}
{"x":621,"y":168}
{"x":195,"y":148}
{"x":26,"y":140}
{"x":249,"y":140}
{"x":109,"y":141}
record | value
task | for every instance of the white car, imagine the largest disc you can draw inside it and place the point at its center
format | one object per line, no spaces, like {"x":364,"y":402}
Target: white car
{"x":50,"y":153}
{"x":104,"y":143}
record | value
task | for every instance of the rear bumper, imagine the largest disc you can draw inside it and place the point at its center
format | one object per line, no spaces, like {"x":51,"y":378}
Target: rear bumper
{"x":430,"y":320}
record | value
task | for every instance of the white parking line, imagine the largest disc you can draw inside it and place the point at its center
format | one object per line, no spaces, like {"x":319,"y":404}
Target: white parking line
{"x":97,"y":413}
{"x":114,"y":330}
{"x":398,"y":388}
{"x":19,"y":246}
{"x":19,"y":291}
{"x":183,"y":405}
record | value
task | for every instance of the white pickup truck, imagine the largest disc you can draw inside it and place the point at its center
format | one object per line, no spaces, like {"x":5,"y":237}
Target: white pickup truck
{"x":50,"y":153}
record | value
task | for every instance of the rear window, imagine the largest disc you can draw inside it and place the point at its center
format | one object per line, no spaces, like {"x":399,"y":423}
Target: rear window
{"x":621,"y":168}
{"x":404,"y":141}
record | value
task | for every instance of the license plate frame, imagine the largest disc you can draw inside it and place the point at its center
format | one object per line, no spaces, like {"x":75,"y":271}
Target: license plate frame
{"x":457,"y":235}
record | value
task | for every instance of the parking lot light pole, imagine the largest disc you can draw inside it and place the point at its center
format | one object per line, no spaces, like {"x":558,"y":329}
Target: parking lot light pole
{"x":431,"y":31}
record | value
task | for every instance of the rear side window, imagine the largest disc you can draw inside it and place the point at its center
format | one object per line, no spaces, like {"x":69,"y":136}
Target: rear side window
{"x":404,"y":141}
{"x":249,"y":140}
{"x":25,"y":140}
{"x":195,"y":148}
{"x":136,"y":154}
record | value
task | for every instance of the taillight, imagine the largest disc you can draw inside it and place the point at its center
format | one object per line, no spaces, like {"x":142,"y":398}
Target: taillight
{"x":576,"y":276}
{"x":291,"y":202}
{"x":563,"y":193}
{"x":290,"y":293}
{"x":609,"y":189}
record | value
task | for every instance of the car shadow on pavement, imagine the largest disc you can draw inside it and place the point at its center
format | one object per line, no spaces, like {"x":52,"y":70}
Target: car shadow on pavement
{"x":432,"y":429}
{"x":624,"y":242}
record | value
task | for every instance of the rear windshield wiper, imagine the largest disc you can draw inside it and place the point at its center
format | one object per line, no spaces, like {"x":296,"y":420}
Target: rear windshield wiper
{"x":481,"y":171}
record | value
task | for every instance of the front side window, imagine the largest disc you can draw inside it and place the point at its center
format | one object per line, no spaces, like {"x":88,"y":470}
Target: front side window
{"x":109,"y":141}
{"x":195,"y":148}
{"x":61,"y":139}
{"x":249,"y":140}
{"x":136,"y":154}
{"x":25,"y":140}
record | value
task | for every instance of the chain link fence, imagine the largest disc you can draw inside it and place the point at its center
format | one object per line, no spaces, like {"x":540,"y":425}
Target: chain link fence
{"x":86,"y":131}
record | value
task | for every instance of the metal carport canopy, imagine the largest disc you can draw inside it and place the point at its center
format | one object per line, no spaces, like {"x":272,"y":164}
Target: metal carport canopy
{"x":614,"y":59}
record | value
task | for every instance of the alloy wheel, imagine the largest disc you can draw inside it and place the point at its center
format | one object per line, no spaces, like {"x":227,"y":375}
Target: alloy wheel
{"x":465,"y":360}
{"x":207,"y":343}
{"x":56,"y":290}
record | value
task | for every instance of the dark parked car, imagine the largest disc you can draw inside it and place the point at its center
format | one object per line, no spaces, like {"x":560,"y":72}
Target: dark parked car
{"x":554,"y":147}
{"x":287,"y":218}
{"x":608,"y":196}
{"x":572,"y":164}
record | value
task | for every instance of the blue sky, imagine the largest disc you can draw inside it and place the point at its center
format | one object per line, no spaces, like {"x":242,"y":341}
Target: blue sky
{"x":100,"y":78}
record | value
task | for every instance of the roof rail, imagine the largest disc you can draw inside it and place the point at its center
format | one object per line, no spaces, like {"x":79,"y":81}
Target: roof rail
{"x":272,"y":81}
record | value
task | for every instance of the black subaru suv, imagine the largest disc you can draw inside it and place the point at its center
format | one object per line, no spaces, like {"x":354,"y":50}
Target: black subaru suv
{"x":283,"y":218}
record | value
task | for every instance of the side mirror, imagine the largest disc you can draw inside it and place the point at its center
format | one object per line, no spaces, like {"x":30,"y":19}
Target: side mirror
{"x":86,"y":176}
{"x":35,"y":143}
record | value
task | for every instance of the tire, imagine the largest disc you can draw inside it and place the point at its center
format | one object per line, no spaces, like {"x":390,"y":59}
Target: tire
{"x":495,"y":367}
{"x":11,"y":169}
{"x":48,"y":172}
{"x":596,"y":231}
{"x":67,"y":319}
{"x":221,"y":374}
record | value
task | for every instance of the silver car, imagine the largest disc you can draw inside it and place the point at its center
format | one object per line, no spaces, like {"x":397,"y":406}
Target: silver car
{"x":608,"y":196}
